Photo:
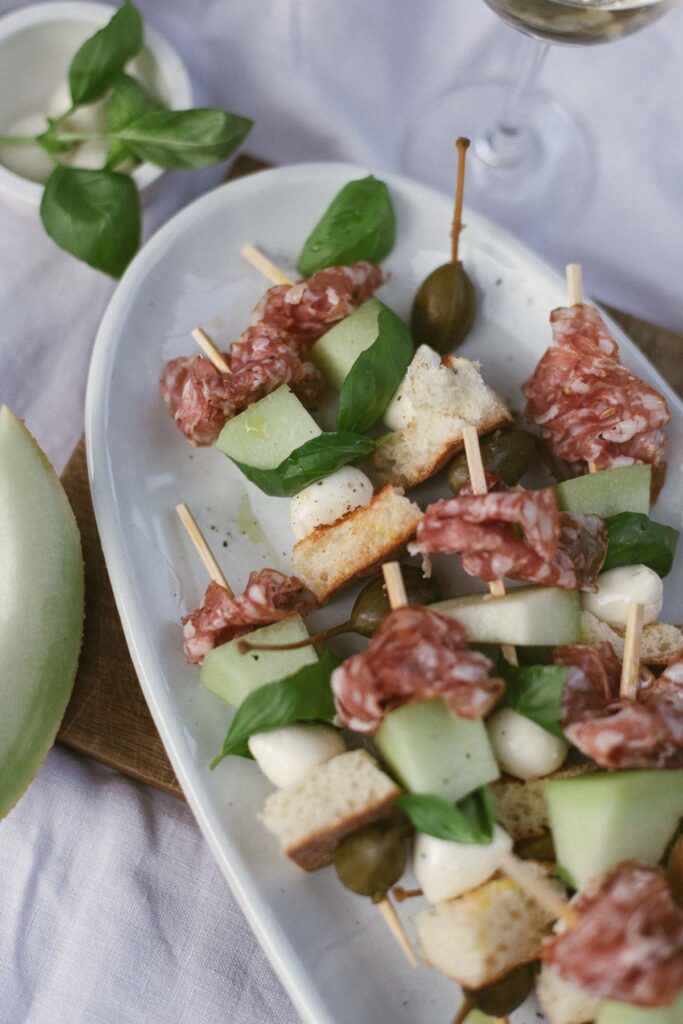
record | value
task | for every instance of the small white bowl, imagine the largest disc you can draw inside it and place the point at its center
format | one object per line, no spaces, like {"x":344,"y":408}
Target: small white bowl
{"x":37,"y":44}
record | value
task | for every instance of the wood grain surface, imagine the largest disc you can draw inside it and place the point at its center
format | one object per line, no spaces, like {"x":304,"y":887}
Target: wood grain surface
{"x":107,"y":717}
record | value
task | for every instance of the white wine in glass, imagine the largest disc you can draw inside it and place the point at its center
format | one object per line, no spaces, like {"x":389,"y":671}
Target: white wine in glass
{"x":528,"y":149}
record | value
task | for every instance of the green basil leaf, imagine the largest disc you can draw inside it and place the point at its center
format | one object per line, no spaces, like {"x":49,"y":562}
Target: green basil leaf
{"x":535,"y":691}
{"x":185,"y":138}
{"x":472,"y":820}
{"x":127,"y":102}
{"x":359,"y":224}
{"x":375,"y":375}
{"x":309,"y":462}
{"x":104,"y":55}
{"x":94,"y":215}
{"x":634,"y":539}
{"x":303,"y":697}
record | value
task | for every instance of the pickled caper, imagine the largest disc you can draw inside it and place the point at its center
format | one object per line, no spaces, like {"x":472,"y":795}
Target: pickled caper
{"x":507,"y":453}
{"x":536,"y":848}
{"x":502,"y":997}
{"x":445,"y":304}
{"x":372,"y":859}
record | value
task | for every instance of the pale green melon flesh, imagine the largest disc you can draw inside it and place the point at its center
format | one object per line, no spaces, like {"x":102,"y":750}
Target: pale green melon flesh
{"x":337,"y":350}
{"x":625,"y":489}
{"x":233,"y":676}
{"x":268,"y":431}
{"x":599,"y":820}
{"x":527,"y":616}
{"x":41,"y":607}
{"x":429,"y":750}
{"x":620,"y":1013}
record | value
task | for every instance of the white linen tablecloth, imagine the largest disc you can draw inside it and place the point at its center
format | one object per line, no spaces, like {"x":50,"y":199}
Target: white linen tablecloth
{"x":111,"y":909}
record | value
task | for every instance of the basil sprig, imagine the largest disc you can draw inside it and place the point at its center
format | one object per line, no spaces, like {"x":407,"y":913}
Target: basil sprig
{"x":359,"y":224}
{"x":104,"y":55}
{"x":634,"y":539}
{"x":128,"y":102}
{"x":472,"y":820}
{"x":304,"y":696}
{"x":309,"y":462}
{"x":184,"y":139}
{"x":375,"y":375}
{"x":535,"y":691}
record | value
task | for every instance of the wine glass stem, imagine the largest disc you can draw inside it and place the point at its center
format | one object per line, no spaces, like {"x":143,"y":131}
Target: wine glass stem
{"x":509,"y":140}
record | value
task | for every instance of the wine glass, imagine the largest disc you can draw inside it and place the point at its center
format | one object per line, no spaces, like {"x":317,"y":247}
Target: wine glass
{"x":527,"y":146}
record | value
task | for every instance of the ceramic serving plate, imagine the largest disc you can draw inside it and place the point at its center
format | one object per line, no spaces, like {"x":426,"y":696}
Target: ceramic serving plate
{"x":331,"y":949}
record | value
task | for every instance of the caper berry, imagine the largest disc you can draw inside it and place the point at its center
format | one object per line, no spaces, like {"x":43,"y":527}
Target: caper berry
{"x":372,"y":604}
{"x":444,"y":308}
{"x":536,"y":848}
{"x":502,"y":997}
{"x":372,"y":859}
{"x":505,"y":453}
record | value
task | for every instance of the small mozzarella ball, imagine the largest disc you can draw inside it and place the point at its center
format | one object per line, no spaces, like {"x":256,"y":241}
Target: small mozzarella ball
{"x":445,"y":869}
{"x":329,"y":499}
{"x":90,"y":156}
{"x":59,"y":102}
{"x":30,"y":162}
{"x":522,"y":748}
{"x":286,"y":756}
{"x":400,"y":410}
{"x":618,"y":587}
{"x":90,"y":118}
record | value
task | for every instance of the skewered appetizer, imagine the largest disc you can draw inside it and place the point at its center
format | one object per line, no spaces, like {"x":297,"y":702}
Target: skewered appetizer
{"x":540,"y":790}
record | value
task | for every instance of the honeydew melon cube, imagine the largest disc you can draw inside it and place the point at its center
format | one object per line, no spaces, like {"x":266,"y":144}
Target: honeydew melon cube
{"x":526,"y":616}
{"x":601,"y":819}
{"x":233,"y":676}
{"x":625,"y":489}
{"x":337,"y":350}
{"x":268,"y":431}
{"x":621,"y":1013}
{"x":430,"y":750}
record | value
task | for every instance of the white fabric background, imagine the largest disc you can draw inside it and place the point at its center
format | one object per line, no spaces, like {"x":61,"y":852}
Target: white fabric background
{"x":111,"y":910}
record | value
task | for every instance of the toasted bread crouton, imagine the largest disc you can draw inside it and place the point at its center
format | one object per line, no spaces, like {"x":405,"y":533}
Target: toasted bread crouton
{"x":482,"y":935}
{"x":338,"y":797}
{"x":563,"y":1003}
{"x":442,"y":397}
{"x":333,"y":555}
{"x":660,"y":642}
{"x":520,"y":807}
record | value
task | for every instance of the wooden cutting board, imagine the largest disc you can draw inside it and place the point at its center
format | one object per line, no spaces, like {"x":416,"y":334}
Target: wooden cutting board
{"x":107,"y":717}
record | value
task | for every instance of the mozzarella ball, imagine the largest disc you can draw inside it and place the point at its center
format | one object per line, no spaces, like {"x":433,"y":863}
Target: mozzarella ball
{"x":286,"y":756}
{"x":329,"y":499}
{"x":618,"y":587}
{"x":522,"y":748}
{"x":90,"y":156}
{"x":30,"y":162}
{"x":445,"y":869}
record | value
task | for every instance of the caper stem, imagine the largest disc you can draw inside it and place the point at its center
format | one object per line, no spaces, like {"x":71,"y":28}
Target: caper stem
{"x":245,"y":646}
{"x":400,"y":894}
{"x":462,"y":146}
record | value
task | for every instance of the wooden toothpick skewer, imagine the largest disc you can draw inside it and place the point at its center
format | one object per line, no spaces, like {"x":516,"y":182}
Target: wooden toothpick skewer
{"x":462,"y":145}
{"x":210,"y":350}
{"x":257,"y":259}
{"x":395,"y":925}
{"x":478,"y":481}
{"x":576,"y":298}
{"x":203,"y":550}
{"x":630,"y":669}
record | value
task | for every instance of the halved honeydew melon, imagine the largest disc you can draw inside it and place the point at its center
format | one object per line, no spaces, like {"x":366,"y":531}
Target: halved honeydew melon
{"x":621,"y":1013}
{"x":268,"y":431}
{"x":598,"y":820}
{"x":625,"y":489}
{"x":41,"y":607}
{"x":429,"y":750}
{"x":233,"y":676}
{"x":337,"y":350}
{"x":526,"y":616}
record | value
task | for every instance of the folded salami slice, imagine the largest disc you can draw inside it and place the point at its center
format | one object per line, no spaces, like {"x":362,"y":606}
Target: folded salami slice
{"x":415,"y":654}
{"x":310,"y":307}
{"x":615,"y":731}
{"x":268,"y":597}
{"x":588,"y":406}
{"x":628,"y":942}
{"x":518,"y":534}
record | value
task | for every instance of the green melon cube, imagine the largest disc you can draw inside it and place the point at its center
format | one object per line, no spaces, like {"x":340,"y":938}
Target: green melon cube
{"x":599,"y":820}
{"x":526,"y":616}
{"x":626,"y":489}
{"x":233,"y":676}
{"x":429,"y":750}
{"x":621,"y":1013}
{"x":337,"y":350}
{"x":268,"y":431}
